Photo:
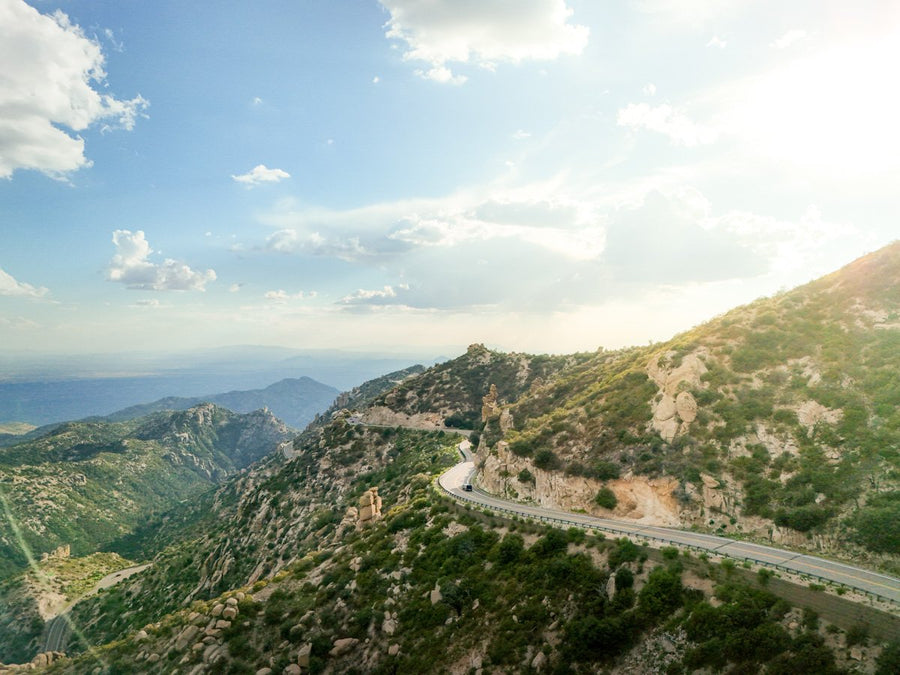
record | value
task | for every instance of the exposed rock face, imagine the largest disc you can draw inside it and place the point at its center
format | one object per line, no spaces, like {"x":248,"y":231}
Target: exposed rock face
{"x":810,"y":413}
{"x":506,"y":421}
{"x":435,"y":595}
{"x":639,"y":498}
{"x":59,"y":552}
{"x":675,"y":410}
{"x":711,"y":493}
{"x":383,"y":416}
{"x":369,"y":506}
{"x":489,"y":405}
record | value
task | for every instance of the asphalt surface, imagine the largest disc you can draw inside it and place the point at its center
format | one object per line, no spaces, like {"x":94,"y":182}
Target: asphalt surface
{"x":59,"y":628}
{"x":820,"y":569}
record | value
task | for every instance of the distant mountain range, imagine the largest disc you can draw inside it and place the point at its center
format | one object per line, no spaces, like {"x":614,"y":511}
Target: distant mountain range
{"x":295,"y":401}
{"x":43,"y":390}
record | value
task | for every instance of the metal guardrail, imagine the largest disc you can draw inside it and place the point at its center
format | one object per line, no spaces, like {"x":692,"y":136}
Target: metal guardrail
{"x":552,"y":520}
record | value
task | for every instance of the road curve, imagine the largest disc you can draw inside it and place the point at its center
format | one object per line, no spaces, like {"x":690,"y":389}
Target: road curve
{"x":871,"y":583}
{"x":59,"y":628}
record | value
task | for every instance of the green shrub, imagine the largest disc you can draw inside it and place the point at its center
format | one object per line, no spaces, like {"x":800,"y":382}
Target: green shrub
{"x":606,"y":498}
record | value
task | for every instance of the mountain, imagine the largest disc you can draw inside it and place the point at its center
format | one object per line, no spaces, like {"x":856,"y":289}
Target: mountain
{"x":777,"y":421}
{"x":47,"y":389}
{"x":87,"y":483}
{"x":295,"y":401}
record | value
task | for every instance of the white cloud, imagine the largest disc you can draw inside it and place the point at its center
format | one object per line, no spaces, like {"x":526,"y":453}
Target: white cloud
{"x":649,"y":89}
{"x":290,"y":240}
{"x":521,"y":135}
{"x":282,"y":296}
{"x":385,"y":296}
{"x":666,"y":120}
{"x":376,"y":80}
{"x":52,"y":91}
{"x":10,"y":287}
{"x":481,"y":33}
{"x":235,"y":288}
{"x":261,"y":174}
{"x":791,"y":37}
{"x":257,"y":100}
{"x":716,"y":41}
{"x":130,"y":266}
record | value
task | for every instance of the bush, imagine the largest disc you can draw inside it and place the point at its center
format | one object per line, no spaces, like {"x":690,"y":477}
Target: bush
{"x":546,"y":460}
{"x":604,"y":470}
{"x":606,"y":498}
{"x":525,"y":476}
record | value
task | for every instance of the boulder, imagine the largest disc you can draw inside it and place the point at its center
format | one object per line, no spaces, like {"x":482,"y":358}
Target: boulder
{"x":435,"y":594}
{"x":292,"y":669}
{"x":231,"y":602}
{"x":217,"y":610}
{"x":393,"y":650}
{"x":229,"y":613}
{"x":303,"y":655}
{"x":343,"y":646}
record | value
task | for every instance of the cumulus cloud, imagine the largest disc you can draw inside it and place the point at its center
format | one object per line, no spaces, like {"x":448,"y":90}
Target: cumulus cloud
{"x":51,"y":92}
{"x":384,"y":296}
{"x":481,"y":33}
{"x":290,"y":240}
{"x":790,"y":38}
{"x":261,"y":174}
{"x":131,"y":266}
{"x":666,"y":120}
{"x":282,"y":296}
{"x":10,"y":287}
{"x":716,"y":41}
{"x":649,"y":89}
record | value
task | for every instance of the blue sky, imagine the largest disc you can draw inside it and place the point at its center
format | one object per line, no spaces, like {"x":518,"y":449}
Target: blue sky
{"x":541,"y":175}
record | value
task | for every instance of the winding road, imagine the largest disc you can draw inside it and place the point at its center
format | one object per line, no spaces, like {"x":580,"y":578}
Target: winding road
{"x":871,"y":583}
{"x":59,"y":627}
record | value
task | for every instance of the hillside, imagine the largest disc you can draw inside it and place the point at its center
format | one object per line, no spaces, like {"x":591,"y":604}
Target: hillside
{"x":293,"y":579}
{"x":779,"y":420}
{"x":87,"y":483}
{"x":295,"y":401}
{"x":776,"y":421}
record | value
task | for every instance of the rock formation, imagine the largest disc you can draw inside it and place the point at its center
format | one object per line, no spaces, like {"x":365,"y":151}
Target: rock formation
{"x":59,"y":553}
{"x":369,"y":506}
{"x":675,"y":411}
{"x":489,"y":405}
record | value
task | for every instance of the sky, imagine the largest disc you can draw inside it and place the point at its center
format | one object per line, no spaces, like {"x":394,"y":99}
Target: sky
{"x":536,"y":175}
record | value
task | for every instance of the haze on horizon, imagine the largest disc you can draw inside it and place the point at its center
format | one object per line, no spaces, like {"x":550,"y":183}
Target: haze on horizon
{"x":540,"y":175}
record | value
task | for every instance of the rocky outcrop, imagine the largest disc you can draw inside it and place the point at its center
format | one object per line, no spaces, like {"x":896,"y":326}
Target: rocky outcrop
{"x":385,"y":417}
{"x":675,"y":408}
{"x":645,"y":500}
{"x":490,"y":406}
{"x":369,"y":507}
{"x":811,"y":413}
{"x":59,"y":553}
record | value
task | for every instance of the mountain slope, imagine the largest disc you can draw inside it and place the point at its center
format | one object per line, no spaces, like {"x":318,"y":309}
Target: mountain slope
{"x":778,"y":420}
{"x":788,"y":403}
{"x":86,"y":483}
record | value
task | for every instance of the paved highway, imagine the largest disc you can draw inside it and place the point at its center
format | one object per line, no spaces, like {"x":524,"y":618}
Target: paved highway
{"x":59,"y":627}
{"x":869,"y":582}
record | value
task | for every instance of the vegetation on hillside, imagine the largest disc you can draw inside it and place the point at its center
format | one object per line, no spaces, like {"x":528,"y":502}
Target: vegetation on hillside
{"x":116,"y":475}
